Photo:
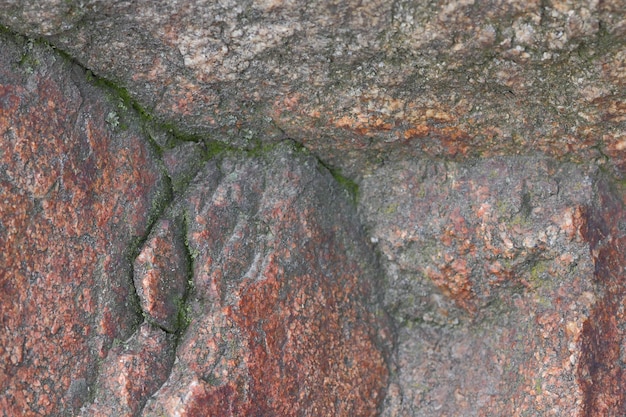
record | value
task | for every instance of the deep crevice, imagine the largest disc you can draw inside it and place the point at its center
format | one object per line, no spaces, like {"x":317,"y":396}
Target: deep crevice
{"x":184,"y":310}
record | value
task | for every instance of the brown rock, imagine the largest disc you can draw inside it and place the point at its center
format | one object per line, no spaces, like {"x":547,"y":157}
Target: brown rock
{"x":132,"y":371}
{"x":161,"y":273}
{"x":76,"y":193}
{"x":284,"y":315}
{"x":602,"y":369}
{"x":503,"y":273}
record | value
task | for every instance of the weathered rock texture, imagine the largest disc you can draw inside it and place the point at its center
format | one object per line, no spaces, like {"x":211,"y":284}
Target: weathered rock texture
{"x":255,"y":292}
{"x":603,"y":357}
{"x":283,"y":309}
{"x":182,"y":262}
{"x":77,"y":194}
{"x":488,"y":267}
{"x":357,"y":81}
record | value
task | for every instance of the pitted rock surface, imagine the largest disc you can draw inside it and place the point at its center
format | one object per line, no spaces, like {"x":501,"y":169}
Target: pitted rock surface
{"x":182,"y":262}
{"x":476,"y":230}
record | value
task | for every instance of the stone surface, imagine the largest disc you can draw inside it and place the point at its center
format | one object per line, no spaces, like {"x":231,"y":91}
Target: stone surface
{"x":602,"y":372}
{"x":476,"y":231}
{"x":488,"y":142}
{"x":161,"y":271}
{"x":132,"y":371}
{"x":361,"y":81}
{"x":284,"y":308}
{"x":76,"y":194}
{"x":255,"y":290}
{"x":488,"y":267}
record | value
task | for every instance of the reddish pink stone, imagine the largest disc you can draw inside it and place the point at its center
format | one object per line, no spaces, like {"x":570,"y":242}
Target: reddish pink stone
{"x":284,"y":314}
{"x":161,"y":272}
{"x":74,"y":194}
{"x":132,"y":371}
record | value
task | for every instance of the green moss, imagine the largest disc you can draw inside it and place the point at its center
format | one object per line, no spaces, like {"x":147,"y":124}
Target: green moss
{"x":538,"y":275}
{"x":538,"y":389}
{"x":518,"y":220}
{"x":347,"y":184}
{"x":27,"y":61}
{"x":184,"y":315}
{"x":214,"y":149}
{"x":390,"y":209}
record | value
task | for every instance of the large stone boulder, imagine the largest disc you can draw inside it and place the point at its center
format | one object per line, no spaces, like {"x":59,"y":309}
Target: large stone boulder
{"x":251,"y":290}
{"x":173,"y":242}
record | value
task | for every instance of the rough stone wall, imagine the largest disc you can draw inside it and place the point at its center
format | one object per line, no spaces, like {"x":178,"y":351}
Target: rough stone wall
{"x":178,"y":226}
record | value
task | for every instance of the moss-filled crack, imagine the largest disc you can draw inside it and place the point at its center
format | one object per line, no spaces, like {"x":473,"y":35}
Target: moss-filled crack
{"x":184,"y":309}
{"x":126,"y":112}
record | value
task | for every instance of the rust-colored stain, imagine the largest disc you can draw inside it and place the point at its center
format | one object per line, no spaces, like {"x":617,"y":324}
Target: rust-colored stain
{"x":601,"y":371}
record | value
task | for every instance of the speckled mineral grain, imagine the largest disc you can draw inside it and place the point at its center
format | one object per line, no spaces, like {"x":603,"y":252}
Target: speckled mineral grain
{"x":215,"y":272}
{"x":76,"y":193}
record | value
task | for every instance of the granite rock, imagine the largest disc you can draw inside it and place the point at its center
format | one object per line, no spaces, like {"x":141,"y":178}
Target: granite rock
{"x":602,"y":370}
{"x":77,"y":193}
{"x":475,"y":231}
{"x":284,"y":316}
{"x":132,"y":371}
{"x":489,"y":268}
{"x":161,"y":271}
{"x":249,"y":288}
{"x":484,"y":141}
{"x":361,"y":81}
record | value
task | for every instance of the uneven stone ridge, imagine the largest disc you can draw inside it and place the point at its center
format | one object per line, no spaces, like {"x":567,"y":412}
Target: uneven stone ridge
{"x":323,"y":208}
{"x":284,"y":318}
{"x":281,"y":316}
